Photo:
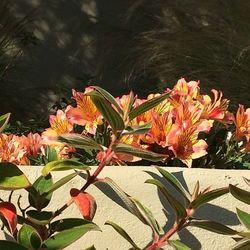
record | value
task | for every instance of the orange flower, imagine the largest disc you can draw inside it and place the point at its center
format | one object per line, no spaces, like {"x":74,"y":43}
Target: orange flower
{"x":32,"y":144}
{"x":185,"y":144}
{"x":86,"y":113}
{"x":11,"y":150}
{"x":185,"y":89}
{"x":60,"y":125}
{"x":242,"y":123}
{"x":215,"y":110}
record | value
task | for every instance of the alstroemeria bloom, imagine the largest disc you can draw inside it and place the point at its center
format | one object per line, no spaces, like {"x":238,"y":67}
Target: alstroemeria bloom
{"x":60,"y":125}
{"x":185,"y":89}
{"x":85,"y":114}
{"x":11,"y":150}
{"x":214,"y":110}
{"x":185,"y":144}
{"x":32,"y":144}
{"x":242,"y":123}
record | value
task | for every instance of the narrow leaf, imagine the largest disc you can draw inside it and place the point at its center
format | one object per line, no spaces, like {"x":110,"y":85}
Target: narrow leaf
{"x":126,"y":199}
{"x":11,"y":177}
{"x":37,"y":199}
{"x":85,"y":202}
{"x":152,"y":222}
{"x":209,"y":196}
{"x":40,"y":217}
{"x":176,"y":205}
{"x":137,"y":130}
{"x":244,"y":218}
{"x":8,"y":212}
{"x":79,"y":141}
{"x":174,"y":182}
{"x":29,"y":237}
{"x":138,"y":152}
{"x":178,"y":245}
{"x":4,"y":119}
{"x":243,"y":244}
{"x":240,"y":194}
{"x":108,"y":112}
{"x":123,"y":233}
{"x":11,"y":245}
{"x":62,"y":165}
{"x":212,"y":226}
{"x":60,"y":183}
{"x":109,"y":98}
{"x":147,"y":106}
{"x":66,"y":237}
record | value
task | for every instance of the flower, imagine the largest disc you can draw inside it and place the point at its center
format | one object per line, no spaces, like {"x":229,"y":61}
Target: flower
{"x":242,"y":123}
{"x":32,"y":144}
{"x":215,"y":110}
{"x":185,"y":144}
{"x":185,"y":89}
{"x":85,"y":114}
{"x":11,"y":150}
{"x":60,"y":125}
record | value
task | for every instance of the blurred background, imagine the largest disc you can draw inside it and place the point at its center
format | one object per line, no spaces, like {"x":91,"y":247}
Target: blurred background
{"x":48,"y":47}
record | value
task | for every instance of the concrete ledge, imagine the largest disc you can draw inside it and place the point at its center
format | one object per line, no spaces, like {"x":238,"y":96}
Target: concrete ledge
{"x":131,"y":180}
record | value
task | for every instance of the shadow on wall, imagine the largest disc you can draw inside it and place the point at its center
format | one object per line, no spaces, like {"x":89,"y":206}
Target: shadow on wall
{"x":100,"y":42}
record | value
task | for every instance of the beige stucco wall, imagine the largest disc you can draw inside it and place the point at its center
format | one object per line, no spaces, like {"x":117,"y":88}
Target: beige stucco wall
{"x":132,"y":179}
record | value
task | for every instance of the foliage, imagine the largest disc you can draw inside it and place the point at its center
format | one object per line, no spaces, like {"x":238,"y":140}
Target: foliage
{"x":126,"y":122}
{"x":184,"y":126}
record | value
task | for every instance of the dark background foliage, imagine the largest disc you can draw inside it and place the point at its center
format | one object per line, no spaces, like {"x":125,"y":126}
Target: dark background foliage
{"x":49,"y":47}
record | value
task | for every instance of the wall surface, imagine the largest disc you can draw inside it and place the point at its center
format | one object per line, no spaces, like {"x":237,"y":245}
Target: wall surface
{"x":131,"y":180}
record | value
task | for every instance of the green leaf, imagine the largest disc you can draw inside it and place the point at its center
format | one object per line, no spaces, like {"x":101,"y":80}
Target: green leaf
{"x":108,"y":112}
{"x":209,"y":196}
{"x":29,"y":237}
{"x":50,"y":154}
{"x":60,"y":183}
{"x":244,"y":218}
{"x":243,"y":244}
{"x":4,"y":119}
{"x":71,"y":231}
{"x":62,"y":165}
{"x":11,"y":245}
{"x":126,"y":199}
{"x":37,"y":199}
{"x":144,"y":107}
{"x":79,"y":141}
{"x":109,"y":98}
{"x":178,"y":245}
{"x":137,"y":130}
{"x":240,"y":194}
{"x":152,"y":222}
{"x":212,"y":226}
{"x":175,"y":183}
{"x":123,"y":233}
{"x":138,"y":152}
{"x":40,"y":217}
{"x":176,"y":205}
{"x":11,"y":177}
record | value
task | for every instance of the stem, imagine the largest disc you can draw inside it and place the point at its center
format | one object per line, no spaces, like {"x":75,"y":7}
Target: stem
{"x":106,"y":159}
{"x":164,"y":238}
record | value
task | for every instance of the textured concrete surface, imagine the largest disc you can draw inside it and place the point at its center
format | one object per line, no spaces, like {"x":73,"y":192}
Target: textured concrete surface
{"x":131,"y":179}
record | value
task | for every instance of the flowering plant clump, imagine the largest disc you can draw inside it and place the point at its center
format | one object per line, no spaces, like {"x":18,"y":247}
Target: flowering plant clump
{"x":182,"y":127}
{"x":115,"y":131}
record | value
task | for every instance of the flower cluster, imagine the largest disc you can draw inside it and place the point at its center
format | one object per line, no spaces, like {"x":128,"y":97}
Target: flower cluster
{"x":177,"y":124}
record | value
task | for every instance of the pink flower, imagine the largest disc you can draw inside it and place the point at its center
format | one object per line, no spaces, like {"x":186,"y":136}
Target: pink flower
{"x":86,"y":113}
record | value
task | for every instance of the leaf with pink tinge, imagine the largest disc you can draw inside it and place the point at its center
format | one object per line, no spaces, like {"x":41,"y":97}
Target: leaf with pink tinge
{"x":85,"y":202}
{"x":8,"y":212}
